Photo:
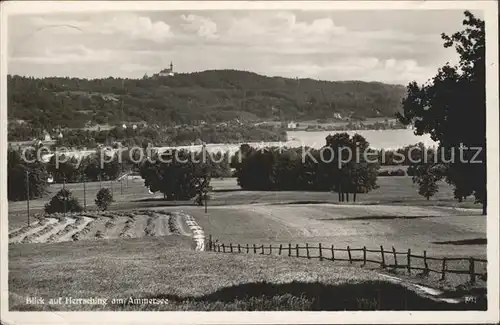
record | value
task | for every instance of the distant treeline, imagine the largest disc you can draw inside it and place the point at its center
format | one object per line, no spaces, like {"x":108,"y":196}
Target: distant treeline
{"x":386,"y":125}
{"x":309,"y":169}
{"x":210,"y":96}
{"x":156,"y":136}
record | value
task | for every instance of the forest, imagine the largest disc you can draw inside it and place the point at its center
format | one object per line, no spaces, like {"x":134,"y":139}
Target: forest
{"x":192,"y":98}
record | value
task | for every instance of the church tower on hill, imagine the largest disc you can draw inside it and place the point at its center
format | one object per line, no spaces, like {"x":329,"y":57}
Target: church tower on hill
{"x":169,"y":72}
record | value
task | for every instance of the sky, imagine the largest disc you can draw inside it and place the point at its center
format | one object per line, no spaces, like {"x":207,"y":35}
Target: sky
{"x":392,"y":46}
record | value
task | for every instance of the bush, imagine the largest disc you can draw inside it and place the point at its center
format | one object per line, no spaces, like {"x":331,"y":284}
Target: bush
{"x":63,"y":201}
{"x":103,"y":198}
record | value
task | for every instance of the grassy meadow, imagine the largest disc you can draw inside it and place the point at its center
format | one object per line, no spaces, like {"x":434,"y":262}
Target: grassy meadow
{"x":132,"y":194}
{"x":165,"y":268}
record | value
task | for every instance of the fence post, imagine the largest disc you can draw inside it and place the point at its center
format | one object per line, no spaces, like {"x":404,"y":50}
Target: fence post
{"x":239,"y":248}
{"x":349,"y":253}
{"x":472,"y":271}
{"x":333,"y":253}
{"x":364,"y":255}
{"x":297,"y":249}
{"x":289,"y":249}
{"x":254,"y":249}
{"x":383,"y":256}
{"x":281,"y":247}
{"x":395,"y":257}
{"x":307,"y":251}
{"x":443,"y":271}
{"x":209,"y":242}
{"x":270,"y":249}
{"x":409,"y":261}
{"x":262,"y":249}
{"x":218,"y":248}
{"x":231,"y":247}
{"x":320,"y":253}
{"x":426,"y":266}
{"x":223,"y":248}
{"x":248,"y":249}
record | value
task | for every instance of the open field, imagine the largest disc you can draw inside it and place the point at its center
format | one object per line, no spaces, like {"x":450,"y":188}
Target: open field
{"x":151,"y":252}
{"x":101,"y":226}
{"x":165,"y":268}
{"x":133,"y":194}
{"x":438,"y":230}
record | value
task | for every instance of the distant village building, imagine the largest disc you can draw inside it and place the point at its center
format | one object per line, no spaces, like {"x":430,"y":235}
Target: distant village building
{"x":169,"y":72}
{"x":46,"y":136}
{"x":60,"y":135}
{"x":337,"y":116}
{"x":292,"y":125}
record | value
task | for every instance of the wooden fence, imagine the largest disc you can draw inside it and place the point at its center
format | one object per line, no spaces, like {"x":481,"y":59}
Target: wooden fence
{"x":328,"y":253}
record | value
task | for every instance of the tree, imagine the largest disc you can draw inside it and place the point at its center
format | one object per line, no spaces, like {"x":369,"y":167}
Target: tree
{"x":63,"y":168}
{"x":63,"y":201}
{"x":349,"y":170}
{"x":16,"y":176}
{"x":103,"y":198}
{"x":179,"y":175}
{"x":426,"y":175}
{"x":452,"y":109}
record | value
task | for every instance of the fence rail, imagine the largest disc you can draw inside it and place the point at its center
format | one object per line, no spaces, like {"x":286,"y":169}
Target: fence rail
{"x":328,"y":253}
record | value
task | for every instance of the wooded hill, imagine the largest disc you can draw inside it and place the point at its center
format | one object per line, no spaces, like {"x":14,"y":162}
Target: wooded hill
{"x":210,"y":96}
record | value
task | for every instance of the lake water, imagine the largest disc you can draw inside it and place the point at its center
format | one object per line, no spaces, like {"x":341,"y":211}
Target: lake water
{"x":378,"y":139}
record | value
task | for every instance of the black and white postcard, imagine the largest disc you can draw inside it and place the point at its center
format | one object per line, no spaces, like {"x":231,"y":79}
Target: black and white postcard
{"x":249,"y":162}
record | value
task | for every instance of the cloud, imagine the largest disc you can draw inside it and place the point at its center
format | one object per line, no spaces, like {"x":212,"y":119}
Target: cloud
{"x":66,"y":55}
{"x":131,"y":25}
{"x":330,"y":45}
{"x":321,"y":26}
{"x":360,"y":68}
{"x":138,"y":27}
{"x":204,"y":27}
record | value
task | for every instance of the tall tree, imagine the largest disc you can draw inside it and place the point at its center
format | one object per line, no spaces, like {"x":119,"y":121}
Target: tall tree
{"x":179,"y":175}
{"x":452,"y":109}
{"x":16,"y":176}
{"x":350,"y":171}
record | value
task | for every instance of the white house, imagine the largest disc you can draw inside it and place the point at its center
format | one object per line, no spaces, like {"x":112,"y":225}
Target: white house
{"x":292,"y":125}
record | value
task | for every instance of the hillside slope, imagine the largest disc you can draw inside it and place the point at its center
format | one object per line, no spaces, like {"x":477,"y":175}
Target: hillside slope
{"x":212,"y":96}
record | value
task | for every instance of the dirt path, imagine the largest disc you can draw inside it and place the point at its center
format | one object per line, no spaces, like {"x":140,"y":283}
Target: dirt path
{"x":434,"y":293}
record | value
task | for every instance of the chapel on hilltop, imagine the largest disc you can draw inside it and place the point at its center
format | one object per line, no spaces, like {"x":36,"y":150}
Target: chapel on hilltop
{"x":168,"y":72}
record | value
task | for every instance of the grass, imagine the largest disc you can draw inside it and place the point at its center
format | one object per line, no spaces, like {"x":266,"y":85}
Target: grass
{"x":393,"y":191}
{"x":431,"y":228}
{"x":165,"y":268}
